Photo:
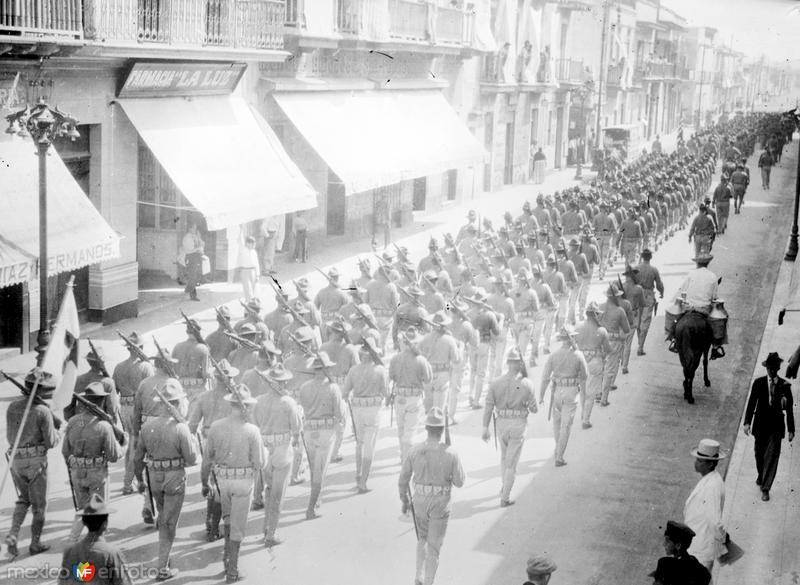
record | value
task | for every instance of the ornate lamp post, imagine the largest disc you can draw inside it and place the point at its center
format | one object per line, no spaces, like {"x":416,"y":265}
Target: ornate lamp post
{"x":791,"y":252}
{"x":44,"y":124}
{"x":582,"y":93}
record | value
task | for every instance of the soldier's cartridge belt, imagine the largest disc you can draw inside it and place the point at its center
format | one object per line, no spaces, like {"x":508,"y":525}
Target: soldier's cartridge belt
{"x":407,"y":391}
{"x":382,"y":312}
{"x":192,"y":381}
{"x":276,"y":438}
{"x":566,"y":381}
{"x":85,"y":462}
{"x":591,"y":353}
{"x":316,"y":424}
{"x":511,"y":413}
{"x":431,"y":490}
{"x":440,"y":367}
{"x":234,"y":472}
{"x":166,"y":464}
{"x":29,"y":451}
{"x":127,"y":400}
{"x":366,"y":401}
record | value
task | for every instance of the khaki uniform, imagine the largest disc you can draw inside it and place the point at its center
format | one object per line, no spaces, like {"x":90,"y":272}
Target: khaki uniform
{"x":441,"y":351}
{"x":193,"y":366}
{"x":219,"y":344}
{"x":635,"y":296}
{"x":94,"y":549}
{"x":650,"y":280}
{"x":345,"y":356}
{"x":558,"y":286}
{"x":383,"y":298}
{"x":127,"y":376}
{"x":329,"y":301}
{"x":435,"y":468}
{"x":409,"y":373}
{"x":594,"y":345}
{"x":616,"y":323}
{"x":467,"y":343}
{"x":485,"y":323}
{"x":526,"y":308}
{"x":502,"y":306}
{"x":295,"y":362}
{"x":566,"y":370}
{"x":630,"y":234}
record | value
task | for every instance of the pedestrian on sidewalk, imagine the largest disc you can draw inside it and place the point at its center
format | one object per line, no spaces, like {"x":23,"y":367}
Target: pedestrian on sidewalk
{"x":268,"y":240}
{"x":300,"y":229}
{"x":679,"y":567}
{"x":765,"y":162}
{"x":539,"y":166}
{"x":770,"y":396}
{"x":192,"y":248}
{"x":539,"y":569}
{"x":703,"y":509}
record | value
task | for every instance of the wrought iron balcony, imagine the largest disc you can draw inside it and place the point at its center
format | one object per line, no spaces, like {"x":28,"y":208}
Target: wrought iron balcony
{"x":241,"y":24}
{"x":571,"y":71}
{"x":57,"y":18}
{"x":416,"y":21}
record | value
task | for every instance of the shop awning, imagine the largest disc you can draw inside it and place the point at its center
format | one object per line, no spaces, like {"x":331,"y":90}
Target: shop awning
{"x":77,"y":235}
{"x":376,"y":138}
{"x":223,"y":157}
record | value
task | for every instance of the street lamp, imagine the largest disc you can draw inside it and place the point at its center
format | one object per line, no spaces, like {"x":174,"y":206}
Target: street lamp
{"x":44,"y":124}
{"x":582,"y":93}
{"x":791,"y":252}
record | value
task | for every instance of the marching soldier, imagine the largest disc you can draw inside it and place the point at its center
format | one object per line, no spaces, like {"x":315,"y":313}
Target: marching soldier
{"x":210,"y":407}
{"x":365,"y":273}
{"x":510,"y":398}
{"x":630,"y":237}
{"x":383,"y":298}
{"x":97,"y":373}
{"x":566,"y":370}
{"x":703,"y":229}
{"x":168,"y":446}
{"x":90,"y":444}
{"x":409,"y":373}
{"x":245,"y":356}
{"x":411,"y":313}
{"x":469,"y":226}
{"x":634,"y":295}
{"x":573,"y":220}
{"x":589,"y":249}
{"x":366,"y":386}
{"x":503,"y":308}
{"x":592,"y":340}
{"x":486,"y":324}
{"x":431,"y":299}
{"x":542,"y":215}
{"x":356,"y":297}
{"x":235,"y":453}
{"x":526,"y":308}
{"x":29,"y":468}
{"x":127,"y":376}
{"x":193,"y":361}
{"x":519,"y":261}
{"x":435,"y":469}
{"x":219,"y":344}
{"x":252,"y":316}
{"x":650,"y":281}
{"x":277,"y":416}
{"x":301,"y":314}
{"x":344,"y":356}
{"x":554,"y":278}
{"x":301,"y":348}
{"x":428,"y":262}
{"x":330,"y":300}
{"x":440,"y":349}
{"x":605,"y":226}
{"x":616,"y":324}
{"x":467,"y":344}
{"x":567,"y":268}
{"x":303,"y":288}
{"x":280,"y":318}
{"x":322,"y":404}
{"x":268,"y":356}
{"x":363,"y":326}
{"x":545,"y":318}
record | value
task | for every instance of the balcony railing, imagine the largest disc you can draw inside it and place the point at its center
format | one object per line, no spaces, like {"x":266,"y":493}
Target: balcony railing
{"x":412,"y":20}
{"x":348,"y":16}
{"x":62,"y":18}
{"x":294,"y":13}
{"x":570,"y":71}
{"x":244,"y":24}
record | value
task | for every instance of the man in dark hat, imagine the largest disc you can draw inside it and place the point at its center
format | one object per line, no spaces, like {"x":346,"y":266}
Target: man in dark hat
{"x":235,"y":451}
{"x":194,"y":365}
{"x":89,"y":446}
{"x":770,"y":397}
{"x":366,"y":386}
{"x":127,"y":376}
{"x":93,"y":550}
{"x":435,"y":468}
{"x":278,"y":417}
{"x":679,"y":567}
{"x":539,"y":568}
{"x":29,"y":469}
{"x":169,"y":446}
{"x":323,"y":408}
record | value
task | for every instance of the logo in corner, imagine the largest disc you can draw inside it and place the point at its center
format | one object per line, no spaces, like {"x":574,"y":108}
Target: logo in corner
{"x":83,"y":572}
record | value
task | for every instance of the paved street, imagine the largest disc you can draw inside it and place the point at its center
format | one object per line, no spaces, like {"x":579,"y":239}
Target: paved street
{"x":601,"y":517}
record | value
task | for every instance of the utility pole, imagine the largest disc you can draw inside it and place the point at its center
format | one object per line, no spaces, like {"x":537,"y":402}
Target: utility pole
{"x":603,"y":67}
{"x":702,"y":74}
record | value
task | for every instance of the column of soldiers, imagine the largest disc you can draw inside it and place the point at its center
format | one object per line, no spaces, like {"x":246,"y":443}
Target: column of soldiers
{"x":258,"y":401}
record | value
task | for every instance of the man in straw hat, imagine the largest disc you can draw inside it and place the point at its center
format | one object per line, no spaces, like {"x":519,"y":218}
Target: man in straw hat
{"x":592,"y":339}
{"x":235,"y":452}
{"x":29,"y":468}
{"x":566,"y":370}
{"x":127,"y":376}
{"x":435,"y":468}
{"x":703,"y":509}
{"x":277,"y":416}
{"x":409,"y":372}
{"x":698,"y":291}
{"x":679,"y":567}
{"x":94,"y":551}
{"x":441,"y":350}
{"x":770,"y":396}
{"x":366,"y":386}
{"x":539,"y":569}
{"x":169,"y":447}
{"x":510,"y":398}
{"x":90,"y":444}
{"x":321,"y":400}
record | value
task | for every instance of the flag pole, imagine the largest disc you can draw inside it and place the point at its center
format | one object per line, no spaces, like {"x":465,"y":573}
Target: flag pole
{"x":19,"y":434}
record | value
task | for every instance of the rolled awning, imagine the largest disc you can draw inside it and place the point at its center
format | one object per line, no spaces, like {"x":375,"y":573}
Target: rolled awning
{"x":77,"y":235}
{"x":376,"y":138}
{"x":223,"y":157}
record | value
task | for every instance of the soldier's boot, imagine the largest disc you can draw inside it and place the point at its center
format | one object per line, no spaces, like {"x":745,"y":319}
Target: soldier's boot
{"x":36,"y":545}
{"x":147,"y":516}
{"x":226,"y":551}
{"x":216,"y":517}
{"x":232,"y":574}
{"x":20,"y":511}
{"x":209,"y":516}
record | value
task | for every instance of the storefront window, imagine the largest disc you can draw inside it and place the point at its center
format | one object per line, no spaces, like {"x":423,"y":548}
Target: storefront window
{"x":160,"y":202}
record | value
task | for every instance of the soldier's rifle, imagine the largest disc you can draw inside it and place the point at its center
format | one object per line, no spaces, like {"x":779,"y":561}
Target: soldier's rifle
{"x":400,"y":254}
{"x":119,"y":433}
{"x":138,"y":351}
{"x":195,"y":331}
{"x":409,"y":296}
{"x":499,"y":251}
{"x":372,"y":353}
{"x":286,"y":305}
{"x":327,"y":277}
{"x":166,"y":365}
{"x":366,"y":318}
{"x":98,"y":360}
{"x":413,"y":512}
{"x":447,"y":440}
{"x":57,"y":422}
{"x":244,"y":342}
{"x":224,"y":321}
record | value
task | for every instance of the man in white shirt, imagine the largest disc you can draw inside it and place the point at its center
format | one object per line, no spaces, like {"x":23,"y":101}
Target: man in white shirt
{"x":249,"y":269}
{"x":703,"y":509}
{"x":700,"y":285}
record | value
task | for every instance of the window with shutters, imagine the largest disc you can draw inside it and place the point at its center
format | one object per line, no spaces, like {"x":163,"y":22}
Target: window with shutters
{"x":160,"y":202}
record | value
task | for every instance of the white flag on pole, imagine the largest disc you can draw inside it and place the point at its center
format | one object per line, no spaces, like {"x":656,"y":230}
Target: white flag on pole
{"x":61,"y":357}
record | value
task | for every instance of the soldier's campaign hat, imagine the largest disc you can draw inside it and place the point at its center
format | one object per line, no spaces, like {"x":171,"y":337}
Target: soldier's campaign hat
{"x":301,"y":284}
{"x":565,"y":333}
{"x":354,"y":289}
{"x":95,"y":389}
{"x":523,"y":274}
{"x":338,"y":325}
{"x":540,"y":565}
{"x":387,"y":255}
{"x":136,"y":339}
{"x":333,"y":273}
{"x":613,"y":290}
{"x":171,"y":389}
{"x":47,"y":384}
{"x":320,"y":361}
{"x":253,"y":305}
{"x":551,"y":260}
{"x":703,"y":258}
{"x":414,"y":291}
{"x":268,"y":347}
{"x":279,"y":374}
{"x":514,"y":355}
{"x":574,"y":243}
{"x":593,"y":308}
{"x":96,"y":506}
{"x":433,"y":244}
{"x":471,"y":214}
{"x":248,"y":329}
{"x":300,"y":307}
{"x":435,"y":417}
{"x":647,"y":254}
{"x":242,"y":395}
{"x":773,"y":360}
{"x":412,"y":335}
{"x":708,"y":450}
{"x":226,"y":368}
{"x":630,"y":271}
{"x":679,"y":533}
{"x":304,"y":334}
{"x":96,"y":357}
{"x":441,"y":318}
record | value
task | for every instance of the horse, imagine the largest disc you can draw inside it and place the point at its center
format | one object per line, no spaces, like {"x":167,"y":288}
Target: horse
{"x":693,"y":340}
